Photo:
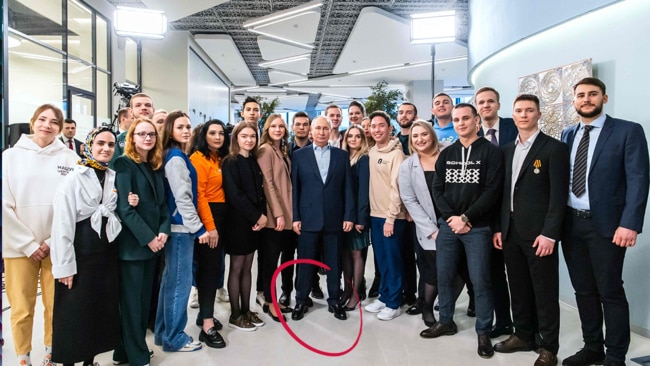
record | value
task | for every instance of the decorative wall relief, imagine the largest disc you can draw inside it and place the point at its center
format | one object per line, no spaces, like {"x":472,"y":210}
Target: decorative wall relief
{"x":554,"y":88}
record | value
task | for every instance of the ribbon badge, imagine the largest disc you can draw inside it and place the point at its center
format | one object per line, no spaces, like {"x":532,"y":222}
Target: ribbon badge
{"x":537,"y":164}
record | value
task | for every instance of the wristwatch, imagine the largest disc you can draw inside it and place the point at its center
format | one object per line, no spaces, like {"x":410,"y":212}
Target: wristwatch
{"x":464,"y":218}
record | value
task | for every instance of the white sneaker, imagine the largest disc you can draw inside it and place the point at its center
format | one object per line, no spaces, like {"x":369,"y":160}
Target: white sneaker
{"x":388,"y":314}
{"x":47,"y":360}
{"x":259,"y":298}
{"x":191,"y":346}
{"x":194,"y":298}
{"x":222,"y":295}
{"x":375,"y":306}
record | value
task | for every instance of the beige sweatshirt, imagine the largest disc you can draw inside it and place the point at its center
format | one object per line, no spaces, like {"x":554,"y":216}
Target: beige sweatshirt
{"x":384,"y":172}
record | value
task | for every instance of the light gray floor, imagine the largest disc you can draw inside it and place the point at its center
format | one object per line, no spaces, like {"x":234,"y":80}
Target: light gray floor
{"x":395,"y":342}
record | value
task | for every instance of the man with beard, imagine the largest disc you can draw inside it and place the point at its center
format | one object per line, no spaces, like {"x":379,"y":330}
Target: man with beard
{"x":607,"y":201}
{"x":407,"y":113}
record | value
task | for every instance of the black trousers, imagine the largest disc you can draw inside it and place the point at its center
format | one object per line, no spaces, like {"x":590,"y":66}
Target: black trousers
{"x":534,"y":288}
{"x":308,"y":248}
{"x":596,"y":270}
{"x":500,"y":294}
{"x":208,"y":266}
{"x":277,"y":243}
{"x":409,"y":276}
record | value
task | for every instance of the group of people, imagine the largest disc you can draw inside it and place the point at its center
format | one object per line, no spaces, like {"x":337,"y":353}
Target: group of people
{"x":466,"y":199}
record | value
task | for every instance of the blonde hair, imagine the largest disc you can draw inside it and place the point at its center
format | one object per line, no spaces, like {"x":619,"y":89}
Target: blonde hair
{"x":154,"y":157}
{"x":434,"y":138}
{"x":266,"y":139}
{"x":363,"y":149}
{"x":234,"y":144}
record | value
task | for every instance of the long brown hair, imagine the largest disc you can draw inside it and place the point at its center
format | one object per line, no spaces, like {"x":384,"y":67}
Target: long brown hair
{"x":266,"y":139}
{"x":154,"y":157}
{"x":234,"y":144}
{"x":168,"y":130}
{"x":57,"y":113}
{"x":363,"y":149}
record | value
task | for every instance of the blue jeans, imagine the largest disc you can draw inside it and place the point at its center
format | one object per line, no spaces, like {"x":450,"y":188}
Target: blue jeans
{"x":171,"y":317}
{"x":449,"y":247}
{"x":388,"y":252}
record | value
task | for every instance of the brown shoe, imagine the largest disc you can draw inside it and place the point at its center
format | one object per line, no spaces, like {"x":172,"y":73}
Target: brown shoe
{"x":546,"y":358}
{"x":513,"y":344}
{"x":252,"y":318}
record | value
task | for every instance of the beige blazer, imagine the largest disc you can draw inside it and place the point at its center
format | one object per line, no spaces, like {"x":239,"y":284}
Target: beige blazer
{"x":277,"y":185}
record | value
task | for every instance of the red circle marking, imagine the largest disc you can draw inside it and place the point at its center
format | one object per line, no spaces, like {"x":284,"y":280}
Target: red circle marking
{"x":276,"y":306}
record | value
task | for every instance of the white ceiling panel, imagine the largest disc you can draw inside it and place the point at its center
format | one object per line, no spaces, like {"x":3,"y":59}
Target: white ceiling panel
{"x":175,"y":9}
{"x":282,"y":77}
{"x":300,"y":66}
{"x":223,"y":51}
{"x":273,"y":50}
{"x":301,"y":28}
{"x":293,"y":102}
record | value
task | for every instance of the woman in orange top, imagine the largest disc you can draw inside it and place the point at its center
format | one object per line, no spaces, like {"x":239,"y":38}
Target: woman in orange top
{"x":212,"y":146}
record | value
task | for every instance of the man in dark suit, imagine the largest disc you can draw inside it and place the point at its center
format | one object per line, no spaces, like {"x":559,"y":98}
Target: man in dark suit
{"x":535,"y":188}
{"x":323,"y":207}
{"x":67,"y":137}
{"x":607,"y":202}
{"x":500,"y":132}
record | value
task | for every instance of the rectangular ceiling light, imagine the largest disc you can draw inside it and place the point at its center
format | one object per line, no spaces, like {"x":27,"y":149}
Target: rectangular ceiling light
{"x":434,"y":27}
{"x":282,"y":15}
{"x":285,"y":60}
{"x":140,"y":23}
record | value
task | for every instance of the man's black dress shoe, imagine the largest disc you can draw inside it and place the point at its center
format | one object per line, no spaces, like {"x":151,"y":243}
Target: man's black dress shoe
{"x":585,"y":357}
{"x":498,"y":331}
{"x":439,"y":329}
{"x":285,"y":299}
{"x":415,"y":309}
{"x":317,"y":292}
{"x":409,"y":299}
{"x":485,"y":349}
{"x":299,"y":311}
{"x":212,"y":338}
{"x":309,"y":302}
{"x":513,"y":344}
{"x":217,"y":323}
{"x":338,"y":311}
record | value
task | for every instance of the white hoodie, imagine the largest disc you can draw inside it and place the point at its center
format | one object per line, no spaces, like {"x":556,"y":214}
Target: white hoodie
{"x":30,"y":177}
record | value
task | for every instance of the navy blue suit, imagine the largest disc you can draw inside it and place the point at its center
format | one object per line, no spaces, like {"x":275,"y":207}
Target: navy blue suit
{"x":507,"y":131}
{"x":321,"y":208}
{"x":617,"y":182}
{"x":507,"y":134}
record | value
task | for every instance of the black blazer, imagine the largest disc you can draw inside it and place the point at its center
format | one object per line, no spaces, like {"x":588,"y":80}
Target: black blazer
{"x":317,"y":205}
{"x":243,"y":185}
{"x":540,"y":192}
{"x":507,"y":131}
{"x":77,"y":145}
{"x":618,"y":176}
{"x":150,"y":217}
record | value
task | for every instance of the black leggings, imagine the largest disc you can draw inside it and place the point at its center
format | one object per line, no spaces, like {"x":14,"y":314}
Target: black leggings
{"x":276,"y":242}
{"x":209,"y":264}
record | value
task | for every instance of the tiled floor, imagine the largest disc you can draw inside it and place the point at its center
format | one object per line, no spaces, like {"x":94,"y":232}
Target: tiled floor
{"x":395,"y":342}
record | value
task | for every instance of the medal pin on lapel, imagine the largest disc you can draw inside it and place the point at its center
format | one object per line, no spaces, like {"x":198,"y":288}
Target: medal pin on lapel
{"x":537,"y":164}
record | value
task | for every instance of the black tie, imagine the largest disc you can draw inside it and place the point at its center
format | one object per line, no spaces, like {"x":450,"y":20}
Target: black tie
{"x":580,"y":164}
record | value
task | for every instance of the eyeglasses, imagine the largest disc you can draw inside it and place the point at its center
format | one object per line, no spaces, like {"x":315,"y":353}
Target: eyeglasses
{"x":144,"y":135}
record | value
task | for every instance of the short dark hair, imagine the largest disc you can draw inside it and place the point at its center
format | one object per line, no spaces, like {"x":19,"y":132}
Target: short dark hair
{"x":442,"y":95}
{"x":591,"y":81}
{"x":250,"y":100}
{"x":382,"y":114}
{"x":140,"y":95}
{"x":70,"y":120}
{"x":487,"y":89}
{"x":415,"y":109}
{"x":330,"y":107}
{"x":466,"y":105}
{"x":528,"y":97}
{"x":300,"y":114}
{"x":359,"y":105}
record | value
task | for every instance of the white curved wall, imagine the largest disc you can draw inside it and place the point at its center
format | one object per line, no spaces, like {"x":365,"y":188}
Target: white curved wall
{"x":617,"y":39}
